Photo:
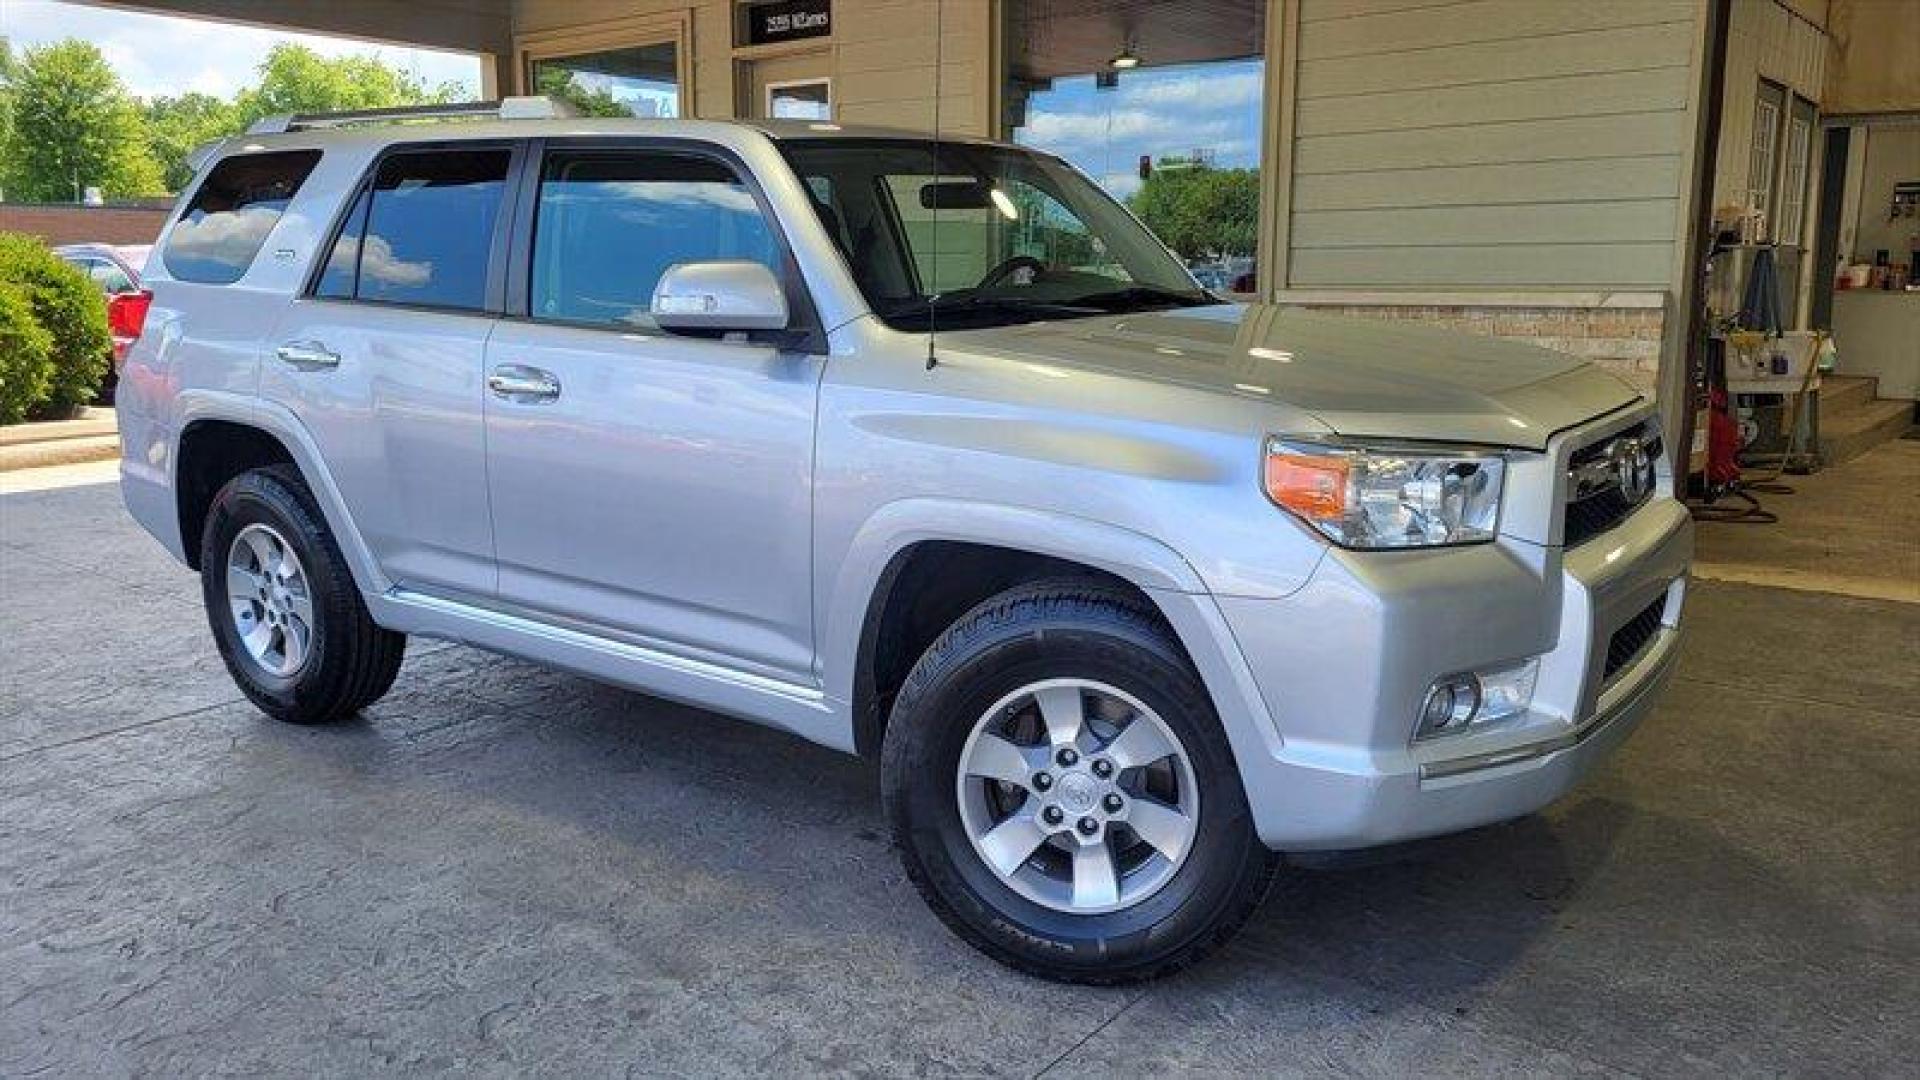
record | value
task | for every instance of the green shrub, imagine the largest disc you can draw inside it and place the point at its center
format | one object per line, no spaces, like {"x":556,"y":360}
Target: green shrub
{"x":71,"y":309}
{"x":26,"y":355}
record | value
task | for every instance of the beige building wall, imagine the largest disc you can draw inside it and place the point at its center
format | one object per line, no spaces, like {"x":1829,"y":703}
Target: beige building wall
{"x":1772,"y":41}
{"x":1516,"y":168}
{"x":881,"y":56}
{"x":1488,"y":143}
{"x":1876,"y":57}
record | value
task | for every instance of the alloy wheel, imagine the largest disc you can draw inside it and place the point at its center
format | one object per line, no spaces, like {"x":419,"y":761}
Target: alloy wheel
{"x":271,"y":602}
{"x":1077,"y":796}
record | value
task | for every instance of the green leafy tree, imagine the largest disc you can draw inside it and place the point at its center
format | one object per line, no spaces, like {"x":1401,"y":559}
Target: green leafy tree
{"x":295,"y":79}
{"x":176,"y":126}
{"x":1201,"y":213}
{"x":6,"y":108}
{"x":558,"y":83}
{"x":74,"y":127}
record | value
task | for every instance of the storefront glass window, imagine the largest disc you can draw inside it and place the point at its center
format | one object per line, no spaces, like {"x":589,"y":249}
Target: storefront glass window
{"x":1162,"y":112}
{"x":642,"y":80}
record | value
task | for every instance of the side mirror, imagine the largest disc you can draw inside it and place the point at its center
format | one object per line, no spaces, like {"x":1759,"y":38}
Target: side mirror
{"x":720,"y":295}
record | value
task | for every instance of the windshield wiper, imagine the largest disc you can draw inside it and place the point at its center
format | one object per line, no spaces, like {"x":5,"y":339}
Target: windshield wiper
{"x":971,"y":303}
{"x":1144,"y":298}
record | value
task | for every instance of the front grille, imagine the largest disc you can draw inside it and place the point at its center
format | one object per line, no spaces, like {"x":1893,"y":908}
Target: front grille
{"x":1596,"y":499}
{"x":1631,"y":640}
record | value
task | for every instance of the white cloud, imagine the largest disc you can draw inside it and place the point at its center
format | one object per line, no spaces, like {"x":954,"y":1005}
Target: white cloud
{"x":162,"y":54}
{"x":1236,"y":90}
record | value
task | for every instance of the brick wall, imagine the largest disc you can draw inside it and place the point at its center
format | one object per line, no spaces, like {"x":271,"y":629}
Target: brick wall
{"x":84,"y":224}
{"x":1625,"y":341}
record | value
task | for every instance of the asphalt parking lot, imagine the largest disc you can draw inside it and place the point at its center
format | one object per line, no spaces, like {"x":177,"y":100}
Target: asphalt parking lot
{"x":503,"y":870}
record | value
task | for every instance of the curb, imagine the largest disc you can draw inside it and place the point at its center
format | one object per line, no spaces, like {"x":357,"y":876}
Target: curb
{"x":69,"y":451}
{"x":93,"y":437}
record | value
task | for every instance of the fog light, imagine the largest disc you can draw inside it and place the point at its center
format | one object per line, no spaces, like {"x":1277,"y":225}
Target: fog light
{"x":1450,"y":705}
{"x":1477,"y":699}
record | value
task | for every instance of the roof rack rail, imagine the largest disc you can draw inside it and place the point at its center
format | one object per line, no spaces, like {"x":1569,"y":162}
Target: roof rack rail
{"x":508,"y":108}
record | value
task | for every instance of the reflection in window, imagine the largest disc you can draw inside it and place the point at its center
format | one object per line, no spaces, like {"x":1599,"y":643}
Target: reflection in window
{"x":224,"y":226}
{"x":609,"y":224}
{"x":423,"y":234}
{"x":1177,"y":136}
{"x":811,"y":100}
{"x":643,"y":80}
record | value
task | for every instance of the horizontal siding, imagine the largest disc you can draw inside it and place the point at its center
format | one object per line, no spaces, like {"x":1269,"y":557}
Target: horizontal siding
{"x":1636,"y":91}
{"x":1641,"y":220}
{"x":1480,"y":20}
{"x":1609,"y":179}
{"x":1483,"y":143}
{"x":1542,"y":267}
{"x":1587,"y":53}
{"x":1629,"y":135}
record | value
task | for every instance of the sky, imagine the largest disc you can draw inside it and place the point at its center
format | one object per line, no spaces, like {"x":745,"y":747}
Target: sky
{"x":1158,"y":111}
{"x":164,"y":55}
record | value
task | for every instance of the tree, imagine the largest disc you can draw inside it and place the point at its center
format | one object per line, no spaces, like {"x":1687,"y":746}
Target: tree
{"x":1201,"y":213}
{"x":558,"y":82}
{"x":295,"y":79}
{"x":176,"y":126}
{"x":6,"y":108}
{"x":74,"y":127}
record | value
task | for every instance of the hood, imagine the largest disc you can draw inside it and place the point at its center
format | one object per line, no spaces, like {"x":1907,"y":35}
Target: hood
{"x":1361,"y":377}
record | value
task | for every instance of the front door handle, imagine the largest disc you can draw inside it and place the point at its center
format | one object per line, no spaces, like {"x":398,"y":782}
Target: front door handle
{"x":526,"y":385}
{"x":307,"y":356}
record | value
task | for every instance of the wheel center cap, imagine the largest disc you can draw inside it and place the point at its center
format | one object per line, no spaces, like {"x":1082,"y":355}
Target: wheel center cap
{"x":1079,"y":792}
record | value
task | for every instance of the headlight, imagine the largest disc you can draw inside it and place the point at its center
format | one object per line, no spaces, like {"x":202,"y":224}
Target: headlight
{"x":1387,"y":498}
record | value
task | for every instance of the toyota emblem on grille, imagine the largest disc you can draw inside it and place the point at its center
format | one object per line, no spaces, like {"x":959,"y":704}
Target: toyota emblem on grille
{"x":1632,"y":468}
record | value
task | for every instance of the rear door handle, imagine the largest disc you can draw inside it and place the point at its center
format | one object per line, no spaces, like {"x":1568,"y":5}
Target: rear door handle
{"x":307,"y":356}
{"x":526,"y":385}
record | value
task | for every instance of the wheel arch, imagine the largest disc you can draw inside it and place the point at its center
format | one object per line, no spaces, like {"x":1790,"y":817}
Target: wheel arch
{"x":217,"y":443}
{"x":919,"y":564}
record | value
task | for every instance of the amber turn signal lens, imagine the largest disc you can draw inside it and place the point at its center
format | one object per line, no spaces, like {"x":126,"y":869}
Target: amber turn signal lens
{"x":1313,"y":487}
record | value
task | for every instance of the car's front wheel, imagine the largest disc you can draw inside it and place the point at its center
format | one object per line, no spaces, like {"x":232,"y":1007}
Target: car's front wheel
{"x":285,"y":612}
{"x":1062,"y":792}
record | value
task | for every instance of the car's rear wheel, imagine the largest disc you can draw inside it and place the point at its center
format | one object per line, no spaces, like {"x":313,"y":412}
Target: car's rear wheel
{"x":1062,"y":793}
{"x":286,"y":615}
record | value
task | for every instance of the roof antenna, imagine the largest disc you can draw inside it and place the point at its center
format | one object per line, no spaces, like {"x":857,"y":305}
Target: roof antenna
{"x":939,"y":31}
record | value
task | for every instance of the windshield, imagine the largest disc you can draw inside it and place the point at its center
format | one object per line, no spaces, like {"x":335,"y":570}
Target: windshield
{"x":976,"y":236}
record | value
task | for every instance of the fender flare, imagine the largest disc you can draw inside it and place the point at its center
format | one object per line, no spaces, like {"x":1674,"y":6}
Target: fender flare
{"x":279,"y":422}
{"x":895,"y":527}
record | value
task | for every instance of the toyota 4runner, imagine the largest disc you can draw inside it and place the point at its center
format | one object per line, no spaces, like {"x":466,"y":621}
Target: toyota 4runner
{"x":922,"y":450}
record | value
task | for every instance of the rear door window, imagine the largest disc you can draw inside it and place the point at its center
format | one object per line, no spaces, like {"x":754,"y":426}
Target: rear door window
{"x":225,"y":225}
{"x":422,"y":233}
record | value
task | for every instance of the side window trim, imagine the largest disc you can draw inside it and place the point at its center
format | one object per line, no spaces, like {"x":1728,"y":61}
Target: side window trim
{"x":496,"y":287}
{"x":806,"y":335}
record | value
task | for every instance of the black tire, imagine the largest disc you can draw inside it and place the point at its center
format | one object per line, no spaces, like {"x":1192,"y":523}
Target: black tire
{"x":351,"y":662}
{"x":1067,"y":629}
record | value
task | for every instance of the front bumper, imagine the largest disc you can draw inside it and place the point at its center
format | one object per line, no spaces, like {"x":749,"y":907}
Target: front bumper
{"x":1342,"y":665}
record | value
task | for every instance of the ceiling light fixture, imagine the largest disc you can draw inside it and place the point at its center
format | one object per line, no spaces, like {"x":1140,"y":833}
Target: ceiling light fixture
{"x":1127,"y":58}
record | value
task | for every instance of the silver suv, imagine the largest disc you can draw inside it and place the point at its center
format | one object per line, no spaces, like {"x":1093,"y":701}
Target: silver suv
{"x":925,"y":451}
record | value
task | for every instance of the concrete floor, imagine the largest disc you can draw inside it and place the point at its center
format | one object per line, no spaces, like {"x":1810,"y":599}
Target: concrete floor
{"x":1852,"y":529}
{"x":506,"y":871}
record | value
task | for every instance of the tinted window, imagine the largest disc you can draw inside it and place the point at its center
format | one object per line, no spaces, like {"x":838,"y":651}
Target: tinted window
{"x":423,"y":234}
{"x":609,"y":224}
{"x":343,"y":262}
{"x":223,"y":228}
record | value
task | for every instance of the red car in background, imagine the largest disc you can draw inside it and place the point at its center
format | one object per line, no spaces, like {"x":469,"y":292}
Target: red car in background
{"x":116,"y":270}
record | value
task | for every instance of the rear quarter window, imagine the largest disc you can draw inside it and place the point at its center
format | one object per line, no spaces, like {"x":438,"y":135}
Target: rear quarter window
{"x":224,"y":227}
